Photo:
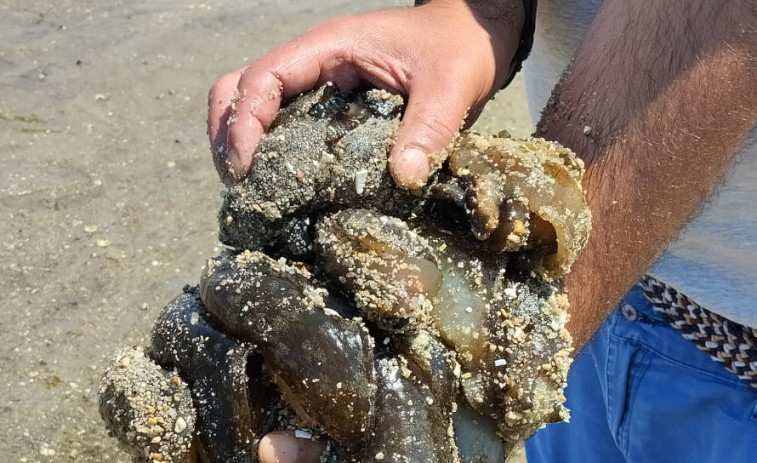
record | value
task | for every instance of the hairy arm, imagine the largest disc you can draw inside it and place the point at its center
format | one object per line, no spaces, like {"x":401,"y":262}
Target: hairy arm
{"x":657,"y":101}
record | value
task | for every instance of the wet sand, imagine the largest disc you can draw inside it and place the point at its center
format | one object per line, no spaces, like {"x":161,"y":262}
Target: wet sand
{"x":108,"y":194}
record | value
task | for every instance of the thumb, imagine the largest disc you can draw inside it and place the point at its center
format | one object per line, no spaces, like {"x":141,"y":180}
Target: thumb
{"x":432,"y":120}
{"x":285,"y":447}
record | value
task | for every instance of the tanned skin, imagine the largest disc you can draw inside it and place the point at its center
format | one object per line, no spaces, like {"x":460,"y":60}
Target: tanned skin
{"x":404,"y":50}
{"x":668,"y":89}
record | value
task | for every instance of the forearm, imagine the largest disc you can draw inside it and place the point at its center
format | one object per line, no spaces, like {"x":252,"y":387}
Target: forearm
{"x":658,"y":99}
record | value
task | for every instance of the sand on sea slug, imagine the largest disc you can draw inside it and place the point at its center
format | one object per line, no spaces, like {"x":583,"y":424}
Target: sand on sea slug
{"x":425,"y":326}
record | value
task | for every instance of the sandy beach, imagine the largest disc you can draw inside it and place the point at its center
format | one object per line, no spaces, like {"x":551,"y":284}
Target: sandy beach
{"x":108,"y":195}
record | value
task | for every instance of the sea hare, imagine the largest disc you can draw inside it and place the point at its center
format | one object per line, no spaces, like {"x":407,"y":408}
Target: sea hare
{"x":410,"y":326}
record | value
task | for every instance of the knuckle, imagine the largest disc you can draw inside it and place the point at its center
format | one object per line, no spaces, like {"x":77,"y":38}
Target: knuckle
{"x":219,"y":91}
{"x":434,"y":133}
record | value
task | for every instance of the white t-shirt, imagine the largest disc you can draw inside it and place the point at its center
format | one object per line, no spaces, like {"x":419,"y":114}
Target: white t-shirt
{"x":714,"y":260}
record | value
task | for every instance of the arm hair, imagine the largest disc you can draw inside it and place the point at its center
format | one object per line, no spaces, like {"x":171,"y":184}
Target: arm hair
{"x":668,"y":91}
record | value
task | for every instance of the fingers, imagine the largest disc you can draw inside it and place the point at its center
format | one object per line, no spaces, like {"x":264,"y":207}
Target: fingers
{"x":392,"y":49}
{"x":219,"y":110}
{"x":432,"y":119}
{"x":291,"y":69}
{"x":256,"y":99}
{"x":284,"y":447}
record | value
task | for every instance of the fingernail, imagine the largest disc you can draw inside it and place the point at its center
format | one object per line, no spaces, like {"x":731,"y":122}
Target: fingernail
{"x":410,"y":168}
{"x":232,"y":155}
{"x":238,"y":163}
{"x":232,"y":164}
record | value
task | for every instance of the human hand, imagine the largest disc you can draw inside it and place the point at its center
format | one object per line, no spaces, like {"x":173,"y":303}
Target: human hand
{"x":447,"y":57}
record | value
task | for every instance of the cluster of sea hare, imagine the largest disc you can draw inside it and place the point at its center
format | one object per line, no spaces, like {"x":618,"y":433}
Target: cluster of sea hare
{"x":421,"y":326}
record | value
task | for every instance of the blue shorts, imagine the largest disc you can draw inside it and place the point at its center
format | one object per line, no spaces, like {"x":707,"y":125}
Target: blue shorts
{"x":640,"y":392}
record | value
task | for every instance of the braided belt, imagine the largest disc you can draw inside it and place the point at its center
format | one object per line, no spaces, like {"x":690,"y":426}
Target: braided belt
{"x":729,"y":343}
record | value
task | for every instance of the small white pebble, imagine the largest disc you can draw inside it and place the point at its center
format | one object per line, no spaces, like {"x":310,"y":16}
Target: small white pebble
{"x":380,"y":456}
{"x":587,"y":130}
{"x":360,"y":177}
{"x":180,"y":425}
{"x":302,"y":434}
{"x":500,"y":362}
